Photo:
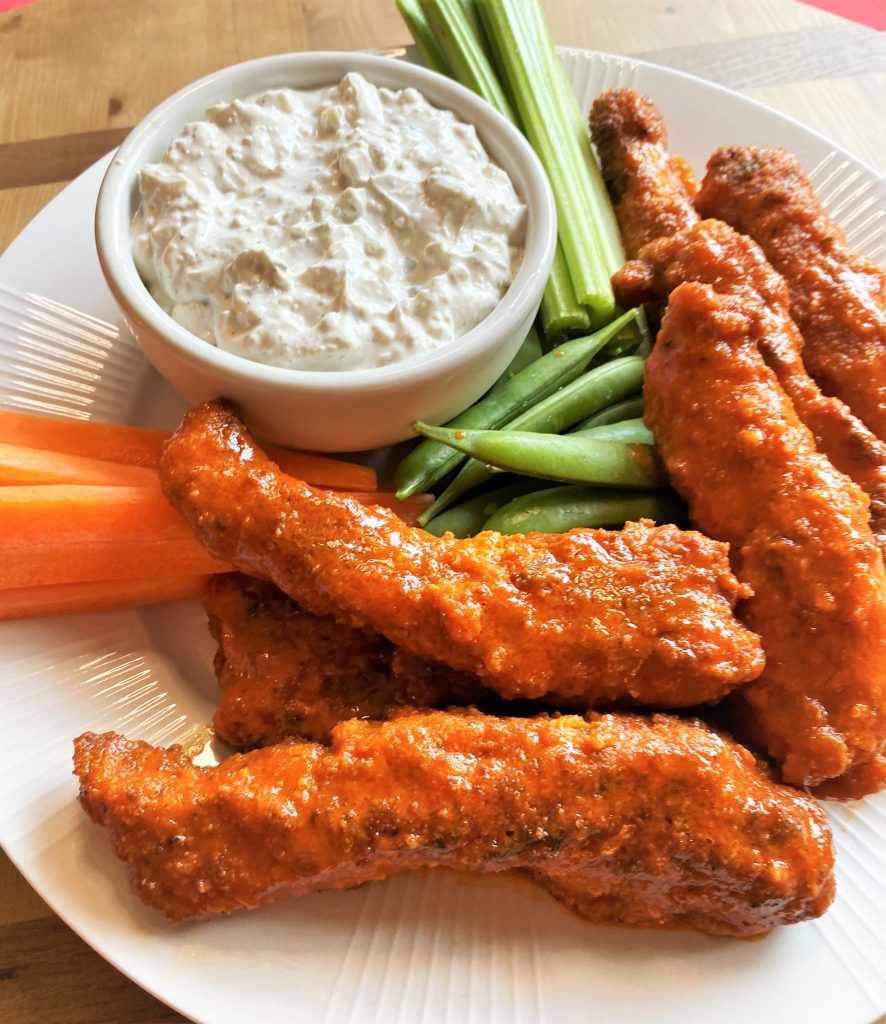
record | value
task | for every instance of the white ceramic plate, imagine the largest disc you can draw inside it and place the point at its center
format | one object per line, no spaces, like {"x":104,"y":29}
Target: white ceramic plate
{"x":431,"y":947}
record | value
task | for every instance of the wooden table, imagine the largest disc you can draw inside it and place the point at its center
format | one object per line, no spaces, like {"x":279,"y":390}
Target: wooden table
{"x":77,"y":74}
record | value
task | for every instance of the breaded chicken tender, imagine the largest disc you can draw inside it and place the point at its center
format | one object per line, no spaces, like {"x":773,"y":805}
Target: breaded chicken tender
{"x":751,"y":475}
{"x":643,"y":614}
{"x":651,"y":190}
{"x":654,"y":822}
{"x":284,"y":672}
{"x":655,"y":211}
{"x":838,"y":297}
{"x":713,"y":253}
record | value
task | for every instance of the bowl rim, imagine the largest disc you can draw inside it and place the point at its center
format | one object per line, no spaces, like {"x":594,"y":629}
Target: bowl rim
{"x":113,"y":217}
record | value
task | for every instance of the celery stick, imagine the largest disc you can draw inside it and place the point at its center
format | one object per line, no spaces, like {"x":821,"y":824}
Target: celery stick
{"x":469,"y":8}
{"x":521,"y":69}
{"x":608,"y":234}
{"x":427,"y":45}
{"x":464,"y":52}
{"x":459,"y":34}
{"x":560,"y":310}
{"x":539,"y":100}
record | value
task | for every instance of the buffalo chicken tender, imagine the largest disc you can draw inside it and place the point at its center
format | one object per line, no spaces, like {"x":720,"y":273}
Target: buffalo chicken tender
{"x":643,"y":614}
{"x":654,"y":822}
{"x":838,"y":297}
{"x":713,"y":253}
{"x":651,"y":190}
{"x":656,"y":215}
{"x":284,"y":672}
{"x":751,"y":475}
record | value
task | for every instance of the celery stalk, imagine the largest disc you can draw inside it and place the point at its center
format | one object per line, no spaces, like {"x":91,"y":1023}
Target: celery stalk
{"x":608,"y":234}
{"x":417,"y":23}
{"x":560,"y":310}
{"x":464,"y":53}
{"x":539,"y":99}
{"x":458,"y":31}
{"x":469,"y":8}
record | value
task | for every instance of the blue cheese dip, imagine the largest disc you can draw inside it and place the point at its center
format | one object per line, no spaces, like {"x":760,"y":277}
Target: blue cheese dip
{"x":330,"y":229}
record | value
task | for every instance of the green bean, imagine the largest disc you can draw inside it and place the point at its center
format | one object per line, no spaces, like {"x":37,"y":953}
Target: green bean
{"x":466,"y":519}
{"x":629,"y":409}
{"x":559,"y":509}
{"x":627,"y":431}
{"x":594,"y":390}
{"x":529,"y":352}
{"x":633,"y":338}
{"x":572,"y":458}
{"x":429,"y":462}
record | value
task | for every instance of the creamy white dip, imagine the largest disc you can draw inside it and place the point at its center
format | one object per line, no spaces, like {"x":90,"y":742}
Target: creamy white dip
{"x":331,"y":229}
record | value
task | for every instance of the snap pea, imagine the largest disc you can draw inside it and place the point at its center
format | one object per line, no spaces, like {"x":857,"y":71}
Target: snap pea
{"x":467,"y":518}
{"x":628,"y":409}
{"x":429,"y":462}
{"x":558,"y":509}
{"x":529,"y":352}
{"x":572,"y":458}
{"x":594,"y":390}
{"x":634,"y":338}
{"x":628,"y":431}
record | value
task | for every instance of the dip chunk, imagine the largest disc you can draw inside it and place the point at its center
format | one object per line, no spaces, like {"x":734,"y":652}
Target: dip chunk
{"x":331,"y":229}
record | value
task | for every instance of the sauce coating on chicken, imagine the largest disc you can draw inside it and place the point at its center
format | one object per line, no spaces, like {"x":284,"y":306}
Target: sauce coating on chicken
{"x":653,"y":822}
{"x":643,"y":614}
{"x":651,"y":190}
{"x":750,"y":472}
{"x":284,"y":672}
{"x":713,"y":253}
{"x":655,"y":212}
{"x":838,"y":297}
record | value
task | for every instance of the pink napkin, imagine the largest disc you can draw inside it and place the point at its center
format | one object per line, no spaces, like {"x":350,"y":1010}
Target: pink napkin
{"x":866,"y":12}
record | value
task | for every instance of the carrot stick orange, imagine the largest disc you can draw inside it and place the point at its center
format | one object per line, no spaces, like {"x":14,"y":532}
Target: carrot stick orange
{"x":31,"y":513}
{"x":58,"y":560}
{"x":20,"y":465}
{"x":408,"y":509}
{"x":103,"y":596}
{"x":138,"y":446}
{"x":70,"y":533}
{"x":112,"y":442}
{"x":322,"y":471}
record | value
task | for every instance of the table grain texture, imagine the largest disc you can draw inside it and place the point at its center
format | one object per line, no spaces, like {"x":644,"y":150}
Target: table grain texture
{"x":77,"y":74}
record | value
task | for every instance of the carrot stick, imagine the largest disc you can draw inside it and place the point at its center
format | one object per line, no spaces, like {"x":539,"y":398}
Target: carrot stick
{"x":20,"y":465}
{"x":74,"y":533}
{"x":82,"y":511}
{"x":138,"y":446}
{"x":103,"y":596}
{"x":408,"y":509}
{"x":58,"y":560}
{"x":322,"y":471}
{"x":111,"y":442}
{"x":32,"y":513}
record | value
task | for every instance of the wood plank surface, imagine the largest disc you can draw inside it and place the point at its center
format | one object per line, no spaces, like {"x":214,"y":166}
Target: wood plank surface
{"x":76,"y":74}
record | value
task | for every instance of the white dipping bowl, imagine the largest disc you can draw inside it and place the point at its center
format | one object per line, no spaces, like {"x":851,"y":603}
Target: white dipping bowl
{"x":348,"y":410}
